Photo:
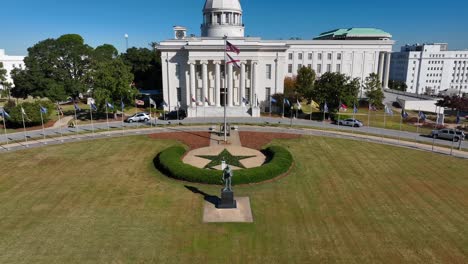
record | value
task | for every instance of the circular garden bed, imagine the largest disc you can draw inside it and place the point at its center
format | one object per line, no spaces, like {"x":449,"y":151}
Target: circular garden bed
{"x":169,"y":161}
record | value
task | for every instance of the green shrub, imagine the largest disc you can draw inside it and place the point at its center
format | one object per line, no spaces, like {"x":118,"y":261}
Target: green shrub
{"x":33,"y":114}
{"x":170,"y":163}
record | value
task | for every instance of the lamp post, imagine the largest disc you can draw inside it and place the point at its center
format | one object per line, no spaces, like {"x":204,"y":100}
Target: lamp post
{"x":126,"y":41}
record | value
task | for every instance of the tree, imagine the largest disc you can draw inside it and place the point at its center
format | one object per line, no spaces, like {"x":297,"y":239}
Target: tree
{"x":3,"y":73}
{"x":289,"y":86}
{"x":146,"y":67}
{"x":334,"y":88}
{"x":374,"y":93}
{"x":112,"y":82}
{"x":105,"y":52}
{"x":454,"y":102}
{"x":305,"y":81}
{"x":397,"y":85}
{"x":55,"y":68}
{"x":33,"y":114}
{"x":3,"y":83}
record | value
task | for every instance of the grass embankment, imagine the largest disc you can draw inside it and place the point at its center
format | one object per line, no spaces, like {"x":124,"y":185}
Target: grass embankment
{"x":343,"y":201}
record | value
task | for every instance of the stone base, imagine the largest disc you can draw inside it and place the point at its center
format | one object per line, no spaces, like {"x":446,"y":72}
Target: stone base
{"x":241,"y":214}
{"x":227,"y":200}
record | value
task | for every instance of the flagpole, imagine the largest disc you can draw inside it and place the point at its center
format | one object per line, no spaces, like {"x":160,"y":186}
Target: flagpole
{"x":107,"y":120}
{"x":384,"y":119}
{"x":24,"y":126}
{"x":91,"y":113}
{"x":60,"y":121}
{"x":435,"y":126}
{"x":419,"y":116}
{"x":42,"y":121}
{"x":122,"y":107}
{"x":354,"y":117}
{"x":284,"y":98}
{"x":4,"y":126}
{"x":368,"y":118}
{"x":311,"y":109}
{"x":76,"y":119}
{"x":225,"y":90}
{"x":136,"y":111}
{"x":339,"y":108}
{"x":151,"y":122}
{"x":324,"y":111}
{"x":401,"y":124}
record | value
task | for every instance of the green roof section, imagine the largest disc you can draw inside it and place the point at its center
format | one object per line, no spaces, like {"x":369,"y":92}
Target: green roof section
{"x":350,"y":33}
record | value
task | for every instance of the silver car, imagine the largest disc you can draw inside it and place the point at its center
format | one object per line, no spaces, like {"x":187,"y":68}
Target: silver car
{"x":450,"y":134}
{"x":350,"y":122}
{"x":138,"y":117}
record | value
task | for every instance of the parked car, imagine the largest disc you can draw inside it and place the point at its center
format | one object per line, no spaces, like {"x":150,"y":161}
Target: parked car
{"x":138,"y":117}
{"x":450,"y":134}
{"x":350,"y":122}
{"x":173,"y":115}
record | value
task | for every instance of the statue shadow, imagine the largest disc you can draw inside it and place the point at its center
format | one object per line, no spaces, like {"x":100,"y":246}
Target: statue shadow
{"x":209,"y":198}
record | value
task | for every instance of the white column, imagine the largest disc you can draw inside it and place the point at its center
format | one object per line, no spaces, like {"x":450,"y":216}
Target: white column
{"x":387,"y":70}
{"x":229,"y":85}
{"x":187,"y":86}
{"x":242,"y":84}
{"x":381,"y":66}
{"x":254,"y":84}
{"x":218,"y":83}
{"x":205,"y":82}
{"x":192,"y":83}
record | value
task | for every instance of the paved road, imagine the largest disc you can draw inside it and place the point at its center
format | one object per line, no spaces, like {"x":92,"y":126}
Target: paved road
{"x":102,"y":127}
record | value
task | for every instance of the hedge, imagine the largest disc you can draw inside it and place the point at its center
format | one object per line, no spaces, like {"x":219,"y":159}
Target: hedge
{"x":169,"y":161}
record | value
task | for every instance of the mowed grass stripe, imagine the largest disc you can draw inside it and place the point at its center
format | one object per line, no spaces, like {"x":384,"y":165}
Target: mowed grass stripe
{"x":343,"y":202}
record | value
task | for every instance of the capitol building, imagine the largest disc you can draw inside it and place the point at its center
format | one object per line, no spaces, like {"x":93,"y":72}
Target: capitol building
{"x":195,"y":76}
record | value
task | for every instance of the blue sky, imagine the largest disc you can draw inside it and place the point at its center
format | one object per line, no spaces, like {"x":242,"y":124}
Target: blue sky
{"x":25,"y":22}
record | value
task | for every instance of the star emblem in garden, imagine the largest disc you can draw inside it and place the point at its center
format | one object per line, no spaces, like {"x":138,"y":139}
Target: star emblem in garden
{"x":227,"y":156}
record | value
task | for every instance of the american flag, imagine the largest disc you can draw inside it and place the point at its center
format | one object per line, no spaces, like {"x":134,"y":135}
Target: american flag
{"x":231,"y":48}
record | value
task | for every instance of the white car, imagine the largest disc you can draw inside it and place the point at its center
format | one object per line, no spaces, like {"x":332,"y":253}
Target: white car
{"x":138,"y":117}
{"x":450,"y":134}
{"x":350,"y":122}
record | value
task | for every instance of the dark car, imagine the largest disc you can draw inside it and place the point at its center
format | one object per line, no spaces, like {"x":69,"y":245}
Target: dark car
{"x":174,"y":116}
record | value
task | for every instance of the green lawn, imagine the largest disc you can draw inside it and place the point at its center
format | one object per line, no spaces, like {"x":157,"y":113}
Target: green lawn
{"x":344,"y":201}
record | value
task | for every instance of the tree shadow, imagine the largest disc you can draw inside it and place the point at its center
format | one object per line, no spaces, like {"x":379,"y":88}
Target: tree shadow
{"x":209,"y":198}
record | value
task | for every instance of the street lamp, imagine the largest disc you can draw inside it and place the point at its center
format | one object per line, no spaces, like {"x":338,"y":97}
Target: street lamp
{"x":126,"y":41}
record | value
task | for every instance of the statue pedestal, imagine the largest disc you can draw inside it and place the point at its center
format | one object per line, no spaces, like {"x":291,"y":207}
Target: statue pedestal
{"x":227,"y":200}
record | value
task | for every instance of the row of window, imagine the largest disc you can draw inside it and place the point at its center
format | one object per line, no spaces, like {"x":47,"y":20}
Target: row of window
{"x":319,"y":67}
{"x":319,"y":56}
{"x":461,"y":55}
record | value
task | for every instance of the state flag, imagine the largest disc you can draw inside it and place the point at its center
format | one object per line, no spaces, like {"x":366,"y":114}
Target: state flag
{"x":325,"y":108}
{"x":43,"y":109}
{"x":109,"y":105}
{"x":152,"y":102}
{"x":4,"y":113}
{"x":77,"y":108}
{"x":233,"y":61}
{"x":422,"y":116}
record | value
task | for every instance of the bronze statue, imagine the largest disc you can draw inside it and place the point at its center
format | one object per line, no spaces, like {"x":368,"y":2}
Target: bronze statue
{"x":227,"y":178}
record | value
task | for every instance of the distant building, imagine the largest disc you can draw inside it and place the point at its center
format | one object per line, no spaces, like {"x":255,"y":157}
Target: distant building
{"x":430,"y":68}
{"x":194,"y":74}
{"x":10,"y":63}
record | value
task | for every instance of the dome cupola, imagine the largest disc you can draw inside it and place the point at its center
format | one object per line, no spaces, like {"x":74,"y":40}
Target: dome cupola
{"x":222,"y":18}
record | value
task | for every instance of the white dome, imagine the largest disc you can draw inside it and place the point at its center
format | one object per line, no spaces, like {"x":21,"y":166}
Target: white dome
{"x":222,"y":5}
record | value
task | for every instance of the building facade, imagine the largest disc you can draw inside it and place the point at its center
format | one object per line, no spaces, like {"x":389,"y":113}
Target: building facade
{"x":10,"y":63}
{"x":195,"y":76}
{"x":430,"y":68}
